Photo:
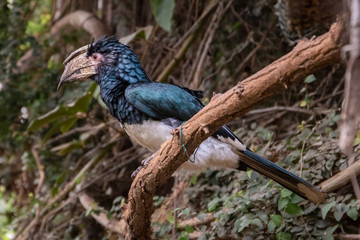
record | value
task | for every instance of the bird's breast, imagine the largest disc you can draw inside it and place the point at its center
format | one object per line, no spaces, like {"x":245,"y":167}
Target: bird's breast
{"x":149,"y":134}
{"x":212,"y":153}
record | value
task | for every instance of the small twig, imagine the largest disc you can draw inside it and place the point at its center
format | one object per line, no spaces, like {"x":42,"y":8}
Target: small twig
{"x":41,"y":171}
{"x":188,"y":16}
{"x":336,"y":90}
{"x":233,"y":54}
{"x":325,"y":81}
{"x":117,"y":226}
{"x":197,"y":23}
{"x":332,"y":95}
{"x":253,"y":52}
{"x":237,"y":15}
{"x":209,"y":35}
{"x":75,"y":130}
{"x":178,"y":56}
{"x":50,"y":215}
{"x":47,"y":217}
{"x":176,"y":183}
{"x":354,"y":180}
{"x":303,"y":147}
{"x":204,"y":47}
{"x":195,"y":221}
{"x":347,"y":236}
{"x":190,"y":36}
{"x":121,"y":165}
{"x":281,"y":108}
{"x":22,"y":234}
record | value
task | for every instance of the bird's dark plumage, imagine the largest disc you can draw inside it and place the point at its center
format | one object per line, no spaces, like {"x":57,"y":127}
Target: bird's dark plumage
{"x":148,"y":111}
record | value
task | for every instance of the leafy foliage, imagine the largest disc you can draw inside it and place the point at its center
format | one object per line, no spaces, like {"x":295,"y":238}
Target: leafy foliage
{"x":163,"y":11}
{"x":249,"y":205}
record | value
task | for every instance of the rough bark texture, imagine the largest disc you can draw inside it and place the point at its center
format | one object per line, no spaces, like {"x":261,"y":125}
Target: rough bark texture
{"x":350,"y":112}
{"x":307,"y":57}
{"x":340,"y":179}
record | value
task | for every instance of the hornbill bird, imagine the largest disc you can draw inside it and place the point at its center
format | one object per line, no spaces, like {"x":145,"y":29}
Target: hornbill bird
{"x":148,"y":111}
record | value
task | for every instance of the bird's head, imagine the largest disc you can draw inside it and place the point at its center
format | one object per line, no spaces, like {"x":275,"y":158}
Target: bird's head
{"x":107,"y":56}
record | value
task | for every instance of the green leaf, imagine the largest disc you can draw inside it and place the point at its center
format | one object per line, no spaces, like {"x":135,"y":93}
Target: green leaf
{"x":325,"y":209}
{"x":89,"y":212}
{"x":163,"y":12}
{"x":271,"y":226}
{"x":80,"y":178}
{"x":266,"y":185}
{"x":236,"y":25}
{"x":81,"y":105}
{"x":303,"y":103}
{"x":143,"y":33}
{"x":189,"y":229}
{"x":341,"y":209}
{"x":185,"y":212}
{"x":277,"y":219}
{"x":242,"y":223}
{"x":58,"y":112}
{"x":282,"y":203}
{"x":249,"y":172}
{"x":353,"y":213}
{"x":62,"y":177}
{"x":65,"y":148}
{"x":55,"y":128}
{"x":213,"y":204}
{"x":296,"y":198}
{"x":310,"y":78}
{"x":293,"y":209}
{"x":283,"y":236}
{"x":285,"y":193}
{"x":328,"y":234}
{"x":54,"y":191}
{"x":171,"y":218}
{"x":67,"y":124}
{"x":257,"y":222}
{"x":193,"y":179}
{"x":201,"y":217}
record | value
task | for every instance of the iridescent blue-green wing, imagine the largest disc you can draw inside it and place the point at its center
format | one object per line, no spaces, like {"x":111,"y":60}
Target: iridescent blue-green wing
{"x":160,"y":100}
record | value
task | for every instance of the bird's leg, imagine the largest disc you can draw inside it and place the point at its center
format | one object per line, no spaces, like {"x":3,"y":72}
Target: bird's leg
{"x":144,"y":163}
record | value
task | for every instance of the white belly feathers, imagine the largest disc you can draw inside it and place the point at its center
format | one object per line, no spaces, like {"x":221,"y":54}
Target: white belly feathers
{"x":212,"y":153}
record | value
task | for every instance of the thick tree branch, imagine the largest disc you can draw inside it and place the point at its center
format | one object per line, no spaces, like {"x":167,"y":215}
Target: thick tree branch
{"x":350,"y":113}
{"x":307,"y":57}
{"x":81,"y":19}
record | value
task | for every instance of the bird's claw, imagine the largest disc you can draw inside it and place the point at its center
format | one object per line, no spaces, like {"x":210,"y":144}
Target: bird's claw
{"x":133,"y":175}
{"x":144,"y":163}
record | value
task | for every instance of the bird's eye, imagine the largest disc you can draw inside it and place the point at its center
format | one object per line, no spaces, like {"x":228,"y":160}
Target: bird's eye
{"x":96,"y":58}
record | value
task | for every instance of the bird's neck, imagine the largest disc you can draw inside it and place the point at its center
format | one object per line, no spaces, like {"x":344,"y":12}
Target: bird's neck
{"x":111,"y":88}
{"x":113,"y":94}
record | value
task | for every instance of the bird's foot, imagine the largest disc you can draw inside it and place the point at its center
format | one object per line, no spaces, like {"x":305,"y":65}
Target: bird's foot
{"x":133,"y":175}
{"x":144,"y":163}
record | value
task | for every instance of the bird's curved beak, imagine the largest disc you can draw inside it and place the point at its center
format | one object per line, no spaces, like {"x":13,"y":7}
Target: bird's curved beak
{"x":78,"y":67}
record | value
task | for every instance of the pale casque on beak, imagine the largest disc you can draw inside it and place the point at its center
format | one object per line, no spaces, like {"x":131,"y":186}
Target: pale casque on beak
{"x":78,"y":67}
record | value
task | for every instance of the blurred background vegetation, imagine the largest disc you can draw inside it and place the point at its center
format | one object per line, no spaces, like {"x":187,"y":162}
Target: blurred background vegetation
{"x":56,"y":144}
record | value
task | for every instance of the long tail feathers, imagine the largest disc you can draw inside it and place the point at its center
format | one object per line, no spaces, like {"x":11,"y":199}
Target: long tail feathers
{"x":282,"y":176}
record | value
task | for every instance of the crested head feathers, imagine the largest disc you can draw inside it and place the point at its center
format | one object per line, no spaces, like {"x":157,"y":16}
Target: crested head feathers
{"x":119,"y":62}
